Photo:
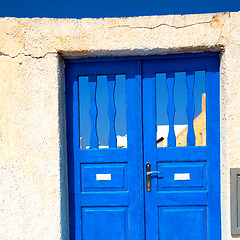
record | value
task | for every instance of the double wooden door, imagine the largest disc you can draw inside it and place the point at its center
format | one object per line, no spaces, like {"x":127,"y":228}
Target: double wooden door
{"x":142,"y":191}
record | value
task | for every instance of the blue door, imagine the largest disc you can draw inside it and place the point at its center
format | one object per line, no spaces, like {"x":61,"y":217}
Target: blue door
{"x":127,"y":187}
{"x":184,"y":201}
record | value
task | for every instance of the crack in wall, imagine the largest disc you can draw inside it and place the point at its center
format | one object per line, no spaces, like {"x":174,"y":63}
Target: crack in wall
{"x":27,"y":55}
{"x":157,"y":26}
{"x":217,"y":21}
{"x":168,"y":25}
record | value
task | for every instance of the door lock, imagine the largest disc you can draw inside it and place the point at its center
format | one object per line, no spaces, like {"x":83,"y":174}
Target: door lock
{"x":148,"y":176}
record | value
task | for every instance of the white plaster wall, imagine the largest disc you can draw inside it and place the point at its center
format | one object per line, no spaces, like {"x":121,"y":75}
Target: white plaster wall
{"x":32,"y":196}
{"x":33,"y":179}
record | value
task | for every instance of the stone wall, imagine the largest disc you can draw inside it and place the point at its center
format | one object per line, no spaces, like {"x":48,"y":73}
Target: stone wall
{"x":33,"y":175}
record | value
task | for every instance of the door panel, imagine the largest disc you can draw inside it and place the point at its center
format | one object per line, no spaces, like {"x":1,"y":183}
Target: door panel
{"x":187,"y":222}
{"x":106,"y":194}
{"x":104,"y":177}
{"x":182,"y":176}
{"x":105,"y":223}
{"x":182,"y":193}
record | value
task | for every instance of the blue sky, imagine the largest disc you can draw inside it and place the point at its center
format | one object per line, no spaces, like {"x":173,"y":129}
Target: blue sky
{"x":180,"y":95}
{"x":111,"y":8}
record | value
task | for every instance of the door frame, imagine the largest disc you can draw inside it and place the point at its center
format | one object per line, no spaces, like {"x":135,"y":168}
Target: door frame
{"x":70,"y":137}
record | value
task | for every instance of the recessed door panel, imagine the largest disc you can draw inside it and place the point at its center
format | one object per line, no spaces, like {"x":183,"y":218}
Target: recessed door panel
{"x":182,"y":176}
{"x":104,"y":223}
{"x":104,"y":177}
{"x":187,"y":222}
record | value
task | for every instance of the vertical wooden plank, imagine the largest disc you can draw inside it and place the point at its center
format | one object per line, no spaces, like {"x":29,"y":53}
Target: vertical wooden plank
{"x":134,"y":135}
{"x":111,"y":111}
{"x":170,"y":78}
{"x":72,"y":113}
{"x":213,"y":150}
{"x":92,"y":81}
{"x":139,"y":149}
{"x":150,"y":146}
{"x":76,"y":139}
{"x":190,"y":108}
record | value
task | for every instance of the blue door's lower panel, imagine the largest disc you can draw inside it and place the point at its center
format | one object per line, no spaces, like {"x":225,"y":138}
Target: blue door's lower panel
{"x":182,"y":223}
{"x":105,"y":223}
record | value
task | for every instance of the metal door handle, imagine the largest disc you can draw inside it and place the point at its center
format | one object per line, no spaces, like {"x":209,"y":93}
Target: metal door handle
{"x":149,"y":173}
{"x":148,"y":176}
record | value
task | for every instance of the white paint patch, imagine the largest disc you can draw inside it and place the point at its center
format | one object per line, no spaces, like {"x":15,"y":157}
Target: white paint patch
{"x":104,"y":177}
{"x":181,"y":176}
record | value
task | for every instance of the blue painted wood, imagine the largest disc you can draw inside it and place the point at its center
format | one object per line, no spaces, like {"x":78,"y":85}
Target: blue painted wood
{"x":72,"y":111}
{"x":76,"y":139}
{"x":182,"y":198}
{"x":112,"y":111}
{"x":170,"y":77}
{"x":134,"y":135}
{"x":92,"y":81}
{"x":213,"y":144}
{"x":182,"y":219}
{"x":193,"y":154}
{"x":159,"y":213}
{"x":150,"y":153}
{"x":69,"y":112}
{"x":105,"y":223}
{"x":203,"y":194}
{"x":117,"y":181}
{"x":109,"y":155}
{"x":195,"y":171}
{"x":170,"y":63}
{"x":101,"y":199}
{"x":190,"y":109}
{"x":195,"y":56}
{"x":124,"y":165}
{"x":139,"y":149}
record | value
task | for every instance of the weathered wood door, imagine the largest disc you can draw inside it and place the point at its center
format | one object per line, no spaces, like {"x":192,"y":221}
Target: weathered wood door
{"x":113,"y":194}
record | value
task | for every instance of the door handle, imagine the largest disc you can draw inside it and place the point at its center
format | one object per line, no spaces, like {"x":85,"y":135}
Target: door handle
{"x":148,"y":176}
{"x":149,"y":173}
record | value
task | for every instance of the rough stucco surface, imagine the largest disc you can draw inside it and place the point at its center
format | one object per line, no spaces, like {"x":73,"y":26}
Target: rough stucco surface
{"x":33,"y":182}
